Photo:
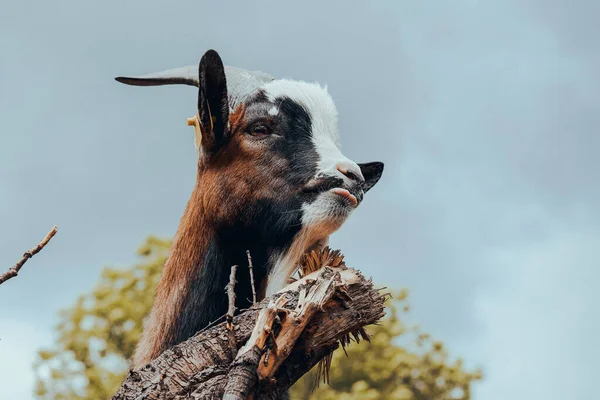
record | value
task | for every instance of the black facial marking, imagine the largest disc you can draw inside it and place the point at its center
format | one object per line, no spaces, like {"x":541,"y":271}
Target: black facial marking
{"x":291,"y":127}
{"x":294,"y":124}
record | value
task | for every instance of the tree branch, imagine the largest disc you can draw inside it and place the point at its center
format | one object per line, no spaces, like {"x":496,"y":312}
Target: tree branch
{"x":251,"y":268}
{"x":230,"y":288}
{"x":279,"y":340}
{"x":14,"y":271}
{"x":242,"y":378}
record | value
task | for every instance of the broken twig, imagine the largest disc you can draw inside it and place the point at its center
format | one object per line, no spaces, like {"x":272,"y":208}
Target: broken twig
{"x":14,"y":271}
{"x":251,"y":268}
{"x":231,"y":296}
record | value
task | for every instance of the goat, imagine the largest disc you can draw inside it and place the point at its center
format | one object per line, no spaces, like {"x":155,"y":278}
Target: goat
{"x":270,"y":179}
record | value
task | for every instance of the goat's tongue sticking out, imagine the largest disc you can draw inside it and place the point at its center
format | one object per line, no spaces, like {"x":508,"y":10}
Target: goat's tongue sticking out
{"x":351,"y":195}
{"x":323,"y":184}
{"x":345,"y":193}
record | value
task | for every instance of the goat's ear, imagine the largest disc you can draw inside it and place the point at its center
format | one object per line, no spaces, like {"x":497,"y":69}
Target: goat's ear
{"x":213,"y":107}
{"x":372,"y":172}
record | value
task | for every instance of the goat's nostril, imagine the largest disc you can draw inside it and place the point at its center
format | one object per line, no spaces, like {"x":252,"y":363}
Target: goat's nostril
{"x":351,"y":171}
{"x":352,"y":176}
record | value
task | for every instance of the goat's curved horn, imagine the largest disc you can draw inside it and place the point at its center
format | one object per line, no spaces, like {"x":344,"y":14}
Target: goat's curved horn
{"x":240,"y":82}
{"x":176,"y":76}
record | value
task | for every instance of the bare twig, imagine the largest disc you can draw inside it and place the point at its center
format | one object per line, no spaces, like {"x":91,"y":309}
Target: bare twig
{"x":14,"y":271}
{"x":251,"y":268}
{"x":231,"y":296}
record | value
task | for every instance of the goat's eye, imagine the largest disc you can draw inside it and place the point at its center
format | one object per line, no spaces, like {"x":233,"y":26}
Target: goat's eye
{"x":259,"y":129}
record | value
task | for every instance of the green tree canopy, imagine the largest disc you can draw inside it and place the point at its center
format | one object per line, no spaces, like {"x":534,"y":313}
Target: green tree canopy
{"x":97,"y":336}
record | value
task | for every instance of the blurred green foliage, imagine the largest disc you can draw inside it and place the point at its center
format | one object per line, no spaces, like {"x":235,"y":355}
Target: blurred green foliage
{"x":385,"y":369}
{"x":96,"y":337}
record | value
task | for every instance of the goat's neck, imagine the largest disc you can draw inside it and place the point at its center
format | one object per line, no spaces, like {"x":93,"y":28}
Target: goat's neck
{"x":191,"y":291}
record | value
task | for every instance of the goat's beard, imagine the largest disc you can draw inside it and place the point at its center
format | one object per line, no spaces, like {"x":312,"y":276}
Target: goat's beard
{"x":327,"y":212}
{"x":310,"y":237}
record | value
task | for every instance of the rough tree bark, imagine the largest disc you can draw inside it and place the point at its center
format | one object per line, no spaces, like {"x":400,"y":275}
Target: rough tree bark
{"x":270,"y":346}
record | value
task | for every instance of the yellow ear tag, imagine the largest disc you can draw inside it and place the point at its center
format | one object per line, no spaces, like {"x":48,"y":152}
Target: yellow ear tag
{"x":195,"y":121}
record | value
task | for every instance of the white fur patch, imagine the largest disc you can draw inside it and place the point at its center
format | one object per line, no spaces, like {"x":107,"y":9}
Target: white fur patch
{"x":283,"y":268}
{"x":315,"y":100}
{"x":285,"y":264}
{"x":324,"y":119}
{"x":325,"y":208}
{"x":273,"y":111}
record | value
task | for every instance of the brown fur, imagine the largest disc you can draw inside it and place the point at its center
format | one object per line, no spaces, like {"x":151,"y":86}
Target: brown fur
{"x":239,"y":174}
{"x":187,"y":251}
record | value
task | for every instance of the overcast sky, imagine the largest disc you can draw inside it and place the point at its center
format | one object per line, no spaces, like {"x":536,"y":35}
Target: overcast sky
{"x":485,"y":113}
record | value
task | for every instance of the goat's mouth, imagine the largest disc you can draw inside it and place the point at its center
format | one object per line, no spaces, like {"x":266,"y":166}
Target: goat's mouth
{"x":348,"y":195}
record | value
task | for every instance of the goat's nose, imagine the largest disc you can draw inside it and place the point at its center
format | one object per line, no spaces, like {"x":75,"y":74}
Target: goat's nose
{"x":351,"y":171}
